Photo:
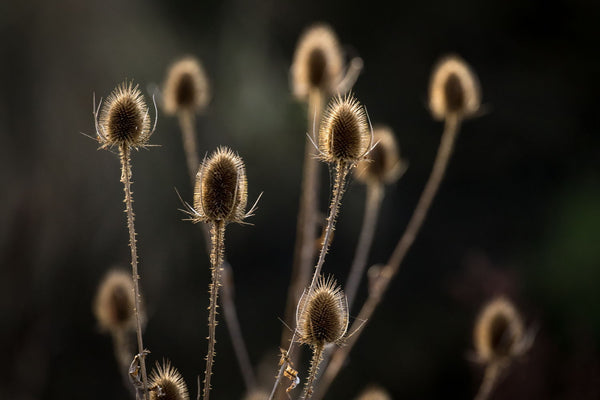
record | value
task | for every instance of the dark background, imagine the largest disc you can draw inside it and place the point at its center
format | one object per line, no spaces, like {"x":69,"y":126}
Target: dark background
{"x":518,"y":214}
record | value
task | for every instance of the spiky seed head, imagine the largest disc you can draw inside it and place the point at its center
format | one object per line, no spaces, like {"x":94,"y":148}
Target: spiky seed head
{"x":453,"y":89}
{"x":322,"y":315}
{"x":124,"y":118}
{"x":318,"y":62}
{"x":115,"y":302}
{"x":166,"y":383}
{"x":383,"y":164}
{"x":498,"y":331}
{"x":344,"y":135}
{"x":374,"y":393}
{"x":186,"y":87}
{"x":221,"y":191}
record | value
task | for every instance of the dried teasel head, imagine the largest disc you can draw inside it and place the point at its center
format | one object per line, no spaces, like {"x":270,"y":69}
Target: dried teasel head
{"x":374,"y":393}
{"x":454,"y":89}
{"x":221,"y":191}
{"x":115,"y":302}
{"x":322,"y":314}
{"x":344,"y":135}
{"x":186,"y":87}
{"x":499,"y":333}
{"x":318,"y":62}
{"x":383,"y":164}
{"x":166,"y":383}
{"x":124,"y":119}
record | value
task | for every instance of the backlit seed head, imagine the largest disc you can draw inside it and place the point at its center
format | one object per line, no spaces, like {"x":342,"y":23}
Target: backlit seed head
{"x":344,"y":135}
{"x":374,"y":393}
{"x":124,"y":118}
{"x":186,"y":87}
{"x":499,"y":332}
{"x":383,"y":164}
{"x":454,"y":89}
{"x":221,"y":191}
{"x":115,"y":302}
{"x":166,"y":383}
{"x":318,"y":62}
{"x":322,"y":315}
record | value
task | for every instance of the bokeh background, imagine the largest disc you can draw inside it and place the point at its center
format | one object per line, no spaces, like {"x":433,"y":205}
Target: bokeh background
{"x":518,"y":214}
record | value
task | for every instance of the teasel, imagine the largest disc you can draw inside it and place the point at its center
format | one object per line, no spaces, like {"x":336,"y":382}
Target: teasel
{"x":499,"y":337}
{"x":321,"y":320}
{"x":344,"y":139}
{"x":318,"y":71}
{"x":166,"y":383}
{"x":454,"y":96}
{"x":374,"y":393}
{"x":220,"y":197}
{"x":123,"y":122}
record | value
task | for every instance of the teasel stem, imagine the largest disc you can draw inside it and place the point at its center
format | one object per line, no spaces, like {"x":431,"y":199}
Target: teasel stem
{"x":341,"y":171}
{"x":375,"y":192}
{"x":490,"y":378}
{"x":306,"y":231}
{"x":187,"y":120}
{"x":314,"y":367}
{"x":216,"y":260}
{"x":125,"y":154}
{"x":451,"y":128}
{"x":124,"y":354}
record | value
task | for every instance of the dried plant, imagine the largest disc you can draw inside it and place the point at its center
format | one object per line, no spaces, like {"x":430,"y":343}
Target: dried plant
{"x":166,"y":383}
{"x":374,"y":393}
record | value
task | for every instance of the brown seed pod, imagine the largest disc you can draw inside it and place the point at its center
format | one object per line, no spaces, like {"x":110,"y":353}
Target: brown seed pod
{"x":454,"y":89}
{"x":166,"y":383}
{"x":124,"y":118}
{"x":186,"y":87}
{"x":499,"y":332}
{"x":115,"y":302}
{"x":322,"y":315}
{"x":318,"y":62}
{"x":383,"y":164}
{"x":344,"y":135}
{"x":221,"y":191}
{"x":374,"y":393}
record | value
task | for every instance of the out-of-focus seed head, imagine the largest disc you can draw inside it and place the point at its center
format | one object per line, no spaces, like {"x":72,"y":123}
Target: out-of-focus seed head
{"x":186,"y":87}
{"x":166,"y":383}
{"x":124,"y":118}
{"x":374,"y":393}
{"x":383,"y":164}
{"x":322,"y":315}
{"x":344,"y":135}
{"x":318,"y":62}
{"x":454,"y":89}
{"x":499,"y":332}
{"x":221,"y":191}
{"x":115,"y":302}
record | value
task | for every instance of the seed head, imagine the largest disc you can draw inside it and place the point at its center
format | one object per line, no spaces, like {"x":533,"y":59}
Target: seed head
{"x":383,"y":164}
{"x":318,"y":62}
{"x":186,"y":87}
{"x":166,"y":383}
{"x":344,"y":135}
{"x":221,"y":191}
{"x":374,"y":393}
{"x":322,"y":315}
{"x":499,"y":332}
{"x":115,"y":302}
{"x":124,"y":118}
{"x":454,"y":89}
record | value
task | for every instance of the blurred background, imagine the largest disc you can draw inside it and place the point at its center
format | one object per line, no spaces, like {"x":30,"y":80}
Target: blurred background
{"x":518,"y":213}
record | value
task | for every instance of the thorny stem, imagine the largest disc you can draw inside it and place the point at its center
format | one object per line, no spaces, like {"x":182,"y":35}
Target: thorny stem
{"x":490,"y":378}
{"x":190,"y":145}
{"x":389,"y":271}
{"x":372,"y":207}
{"x":126,"y":179}
{"x":314,"y":367}
{"x":341,"y":171}
{"x":307,"y":219}
{"x":216,"y":260}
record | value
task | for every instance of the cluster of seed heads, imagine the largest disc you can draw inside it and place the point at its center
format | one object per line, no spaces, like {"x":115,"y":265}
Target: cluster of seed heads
{"x":186,"y":87}
{"x":114,"y":303}
{"x":383,"y":163}
{"x":166,"y":383}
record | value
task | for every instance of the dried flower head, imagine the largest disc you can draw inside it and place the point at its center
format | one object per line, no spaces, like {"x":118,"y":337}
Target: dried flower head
{"x":499,"y":332}
{"x":318,"y":62}
{"x":454,"y":89}
{"x":221,"y":191}
{"x":383,"y":164}
{"x":374,"y":393}
{"x":186,"y":87}
{"x":344,"y":135}
{"x":124,"y":118}
{"x":322,"y":314}
{"x":115,"y":302}
{"x":166,"y":383}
